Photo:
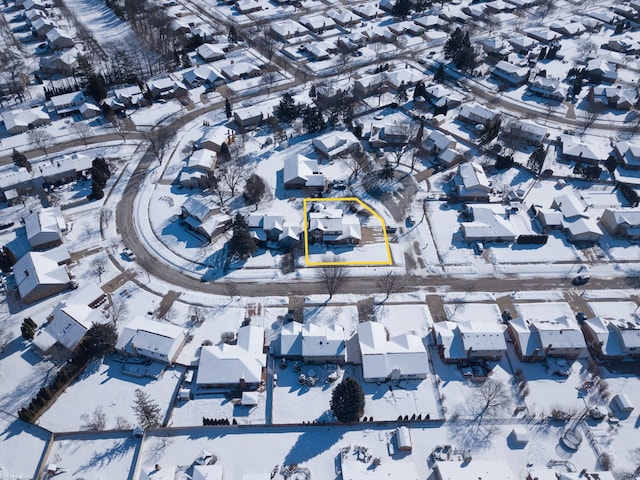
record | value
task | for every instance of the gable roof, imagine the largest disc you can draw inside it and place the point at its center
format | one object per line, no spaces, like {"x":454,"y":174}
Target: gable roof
{"x":146,"y":335}
{"x":40,"y":268}
{"x":302,"y":168}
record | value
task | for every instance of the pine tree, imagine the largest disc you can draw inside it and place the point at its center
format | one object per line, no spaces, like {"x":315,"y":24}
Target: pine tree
{"x":100,"y":172}
{"x":147,"y":412}
{"x":454,"y":44}
{"x":100,"y":340}
{"x":96,"y":192}
{"x":287,"y":110}
{"x":20,"y":160}
{"x":254,"y":190}
{"x":401,"y":94}
{"x":401,"y":8}
{"x":96,"y":87}
{"x":233,"y":35}
{"x":440,"y":76}
{"x":347,"y":401}
{"x":227,"y":108}
{"x":242,"y":244}
{"x":312,"y":120}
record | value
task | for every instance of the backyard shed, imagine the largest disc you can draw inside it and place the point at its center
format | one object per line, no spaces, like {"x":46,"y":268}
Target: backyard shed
{"x":403,"y":438}
{"x":621,"y":402}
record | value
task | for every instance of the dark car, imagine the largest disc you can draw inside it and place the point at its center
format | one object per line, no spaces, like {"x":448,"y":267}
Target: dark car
{"x":580,"y":280}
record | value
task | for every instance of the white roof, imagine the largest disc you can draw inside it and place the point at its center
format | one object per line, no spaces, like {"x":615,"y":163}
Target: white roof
{"x":207,"y":472}
{"x":380,"y":357}
{"x":23,"y":118}
{"x":239,"y":69}
{"x":603,"y":332}
{"x":473,"y":176}
{"x":570,"y":206}
{"x":148,"y":335}
{"x":217,"y":135}
{"x":202,"y":159}
{"x":291,"y":339}
{"x":358,"y":470}
{"x":207,"y":50}
{"x":71,"y":320}
{"x":511,"y":69}
{"x":561,"y":332}
{"x":333,"y":143}
{"x":489,"y":222}
{"x":40,"y":268}
{"x":322,"y":341}
{"x":77,"y":162}
{"x":75,"y":98}
{"x":13,"y":176}
{"x":226,"y":364}
{"x":44,"y":225}
{"x":482,"y":336}
{"x":301,"y":167}
{"x":199,"y":207}
{"x":288,"y":28}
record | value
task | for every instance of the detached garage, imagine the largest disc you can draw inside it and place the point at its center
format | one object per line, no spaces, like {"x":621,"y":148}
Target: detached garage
{"x":622,"y":403}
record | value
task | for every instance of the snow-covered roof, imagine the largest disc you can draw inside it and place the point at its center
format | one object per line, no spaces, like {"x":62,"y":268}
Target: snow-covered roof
{"x":40,"y":268}
{"x":482,"y":336}
{"x":570,"y":206}
{"x":216,"y":135}
{"x":609,"y":343}
{"x":490,"y":222}
{"x":380,"y":357}
{"x":202,"y":159}
{"x":289,"y":28}
{"x":199,"y":208}
{"x":304,"y":169}
{"x":207,"y":472}
{"x":239,"y":69}
{"x":45,"y":226}
{"x":473,"y":176}
{"x":209,"y":51}
{"x":73,"y":98}
{"x":561,"y":332}
{"x":145,"y":336}
{"x":291,"y":339}
{"x":76,"y":162}
{"x":227,"y":364}
{"x":629,"y":153}
{"x":323,"y":341}
{"x":333,"y":143}
{"x":21,"y":119}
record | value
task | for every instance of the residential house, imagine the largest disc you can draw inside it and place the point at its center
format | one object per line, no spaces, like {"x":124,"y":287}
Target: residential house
{"x":429,"y":22}
{"x":301,"y":172}
{"x":568,"y":29}
{"x":460,"y":341}
{"x":379,"y":33}
{"x":344,"y":18}
{"x":332,"y":226}
{"x":41,"y":274}
{"x":441,"y":96}
{"x":41,"y":25}
{"x":568,"y":213}
{"x":611,"y":339}
{"x":287,"y":29}
{"x":496,"y":46}
{"x":492,"y":223}
{"x":521,"y":133}
{"x":60,"y":61}
{"x":600,"y":70}
{"x":68,"y":103}
{"x":143,"y":337}
{"x":252,"y":116}
{"x":318,"y":23}
{"x":476,"y":114}
{"x":542,"y":34}
{"x":321,"y":50}
{"x":333,"y":144}
{"x":204,"y":75}
{"x":71,"y":318}
{"x":274,"y":227}
{"x":370,"y":84}
{"x":445,"y":149}
{"x":534,"y":340}
{"x":511,"y":74}
{"x":15,"y":179}
{"x":59,"y":39}
{"x":210,"y":53}
{"x":130,"y":96}
{"x":214,"y":137}
{"x":548,"y":87}
{"x":613,"y":97}
{"x":63,"y":169}
{"x":89,"y":110}
{"x":240,"y":70}
{"x":395,"y":358}
{"x":403,"y":76}
{"x":472,"y":184}
{"x":628,"y":154}
{"x":248,"y":6}
{"x":45,"y":227}
{"x":203,"y":218}
{"x":622,"y":222}
{"x":19,"y":121}
{"x":521,"y":44}
{"x":368,"y":11}
{"x":165,"y":88}
{"x":200,"y":165}
{"x":241,"y":365}
{"x":572,"y":150}
{"x":318,"y":344}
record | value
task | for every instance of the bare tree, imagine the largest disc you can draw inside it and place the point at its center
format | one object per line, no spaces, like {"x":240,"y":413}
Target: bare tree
{"x":117,"y":310}
{"x":231,"y":288}
{"x":268,"y":80}
{"x":122,"y":423}
{"x":545,"y":7}
{"x":99,"y":266}
{"x":491,"y":398}
{"x":332,"y":276}
{"x":513,"y":137}
{"x":41,"y":139}
{"x":355,"y":168}
{"x":97,"y":421}
{"x":233,"y":174}
{"x":105,"y":215}
{"x":83,"y":130}
{"x":228,"y":337}
{"x":589,"y":115}
{"x":147,"y":412}
{"x":120,"y":128}
{"x":391,"y":282}
{"x":197,"y":314}
{"x":159,"y":140}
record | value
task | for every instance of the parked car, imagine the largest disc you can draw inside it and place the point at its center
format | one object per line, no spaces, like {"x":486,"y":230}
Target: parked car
{"x":129,"y":255}
{"x":580,"y":280}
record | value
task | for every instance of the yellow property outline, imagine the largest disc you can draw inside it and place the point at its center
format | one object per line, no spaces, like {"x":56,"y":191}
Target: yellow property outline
{"x":389,"y":260}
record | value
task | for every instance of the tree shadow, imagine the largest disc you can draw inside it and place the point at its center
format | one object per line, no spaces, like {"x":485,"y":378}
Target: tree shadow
{"x":313,"y":442}
{"x":99,"y":460}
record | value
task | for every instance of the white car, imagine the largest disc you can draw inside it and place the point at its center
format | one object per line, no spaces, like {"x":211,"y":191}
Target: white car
{"x":129,"y":254}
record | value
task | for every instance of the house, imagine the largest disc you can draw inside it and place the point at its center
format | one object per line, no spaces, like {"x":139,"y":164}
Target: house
{"x":600,"y":70}
{"x":248,"y":6}
{"x":143,"y":337}
{"x":612,"y":339}
{"x":199,"y":166}
{"x":204,"y":75}
{"x":16,"y":179}
{"x":61,"y":61}
{"x":394,"y":134}
{"x":476,"y":114}
{"x":89,"y":110}
{"x":395,"y":358}
{"x":344,"y":18}
{"x":476,"y":469}
{"x":547,"y":87}
{"x":460,"y":341}
{"x":210,"y":53}
{"x":521,"y":133}
{"x":166,"y":87}
{"x":445,"y":149}
{"x":63,"y":169}
{"x":534,"y":340}
{"x":323,"y":344}
{"x":542,"y":35}
{"x":569,"y":214}
{"x":368,"y":11}
{"x":68,"y":102}
{"x":429,"y":22}
{"x":521,"y":44}
{"x":40,"y":26}
{"x":240,"y":70}
{"x":628,"y":155}
{"x":568,"y":29}
{"x":332,"y":226}
{"x":511,"y":74}
{"x":613,"y":97}
{"x":318,"y":23}
{"x":274,"y":227}
{"x":472,"y":184}
{"x":490,"y":223}
{"x":252,"y":116}
{"x":290,"y":344}
{"x":622,"y":222}
{"x":45,"y":227}
{"x":71,"y":318}
{"x":235,"y":366}
{"x":335,"y":144}
{"x":403,"y":76}
{"x":204,"y":218}
{"x":573,"y":151}
{"x":41,"y":274}
{"x":130,"y":96}
{"x":320,"y":50}
{"x":19,"y":121}
{"x":287,"y":29}
{"x":496,"y":46}
{"x":441,"y":96}
{"x":213,"y":138}
{"x":301,"y":172}
{"x":370,"y":84}
{"x":59,"y":39}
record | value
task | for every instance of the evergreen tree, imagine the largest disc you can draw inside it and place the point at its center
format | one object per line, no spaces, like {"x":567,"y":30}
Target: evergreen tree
{"x":313,"y":92}
{"x":401,"y":94}
{"x":20,"y":160}
{"x":96,"y":192}
{"x":312,"y":120}
{"x":254,"y":189}
{"x":227,"y":108}
{"x":610,"y":164}
{"x":347,"y":401}
{"x":147,"y":412}
{"x":387,"y":173}
{"x":100,"y":172}
{"x":440,"y":76}
{"x":454,"y":44}
{"x":536,"y":159}
{"x":5,"y":261}
{"x":185,"y":60}
{"x":242,"y":244}
{"x":401,"y":8}
{"x":287,"y":110}
{"x":225,"y":153}
{"x":96,"y":87}
{"x":100,"y":340}
{"x":233,"y":34}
